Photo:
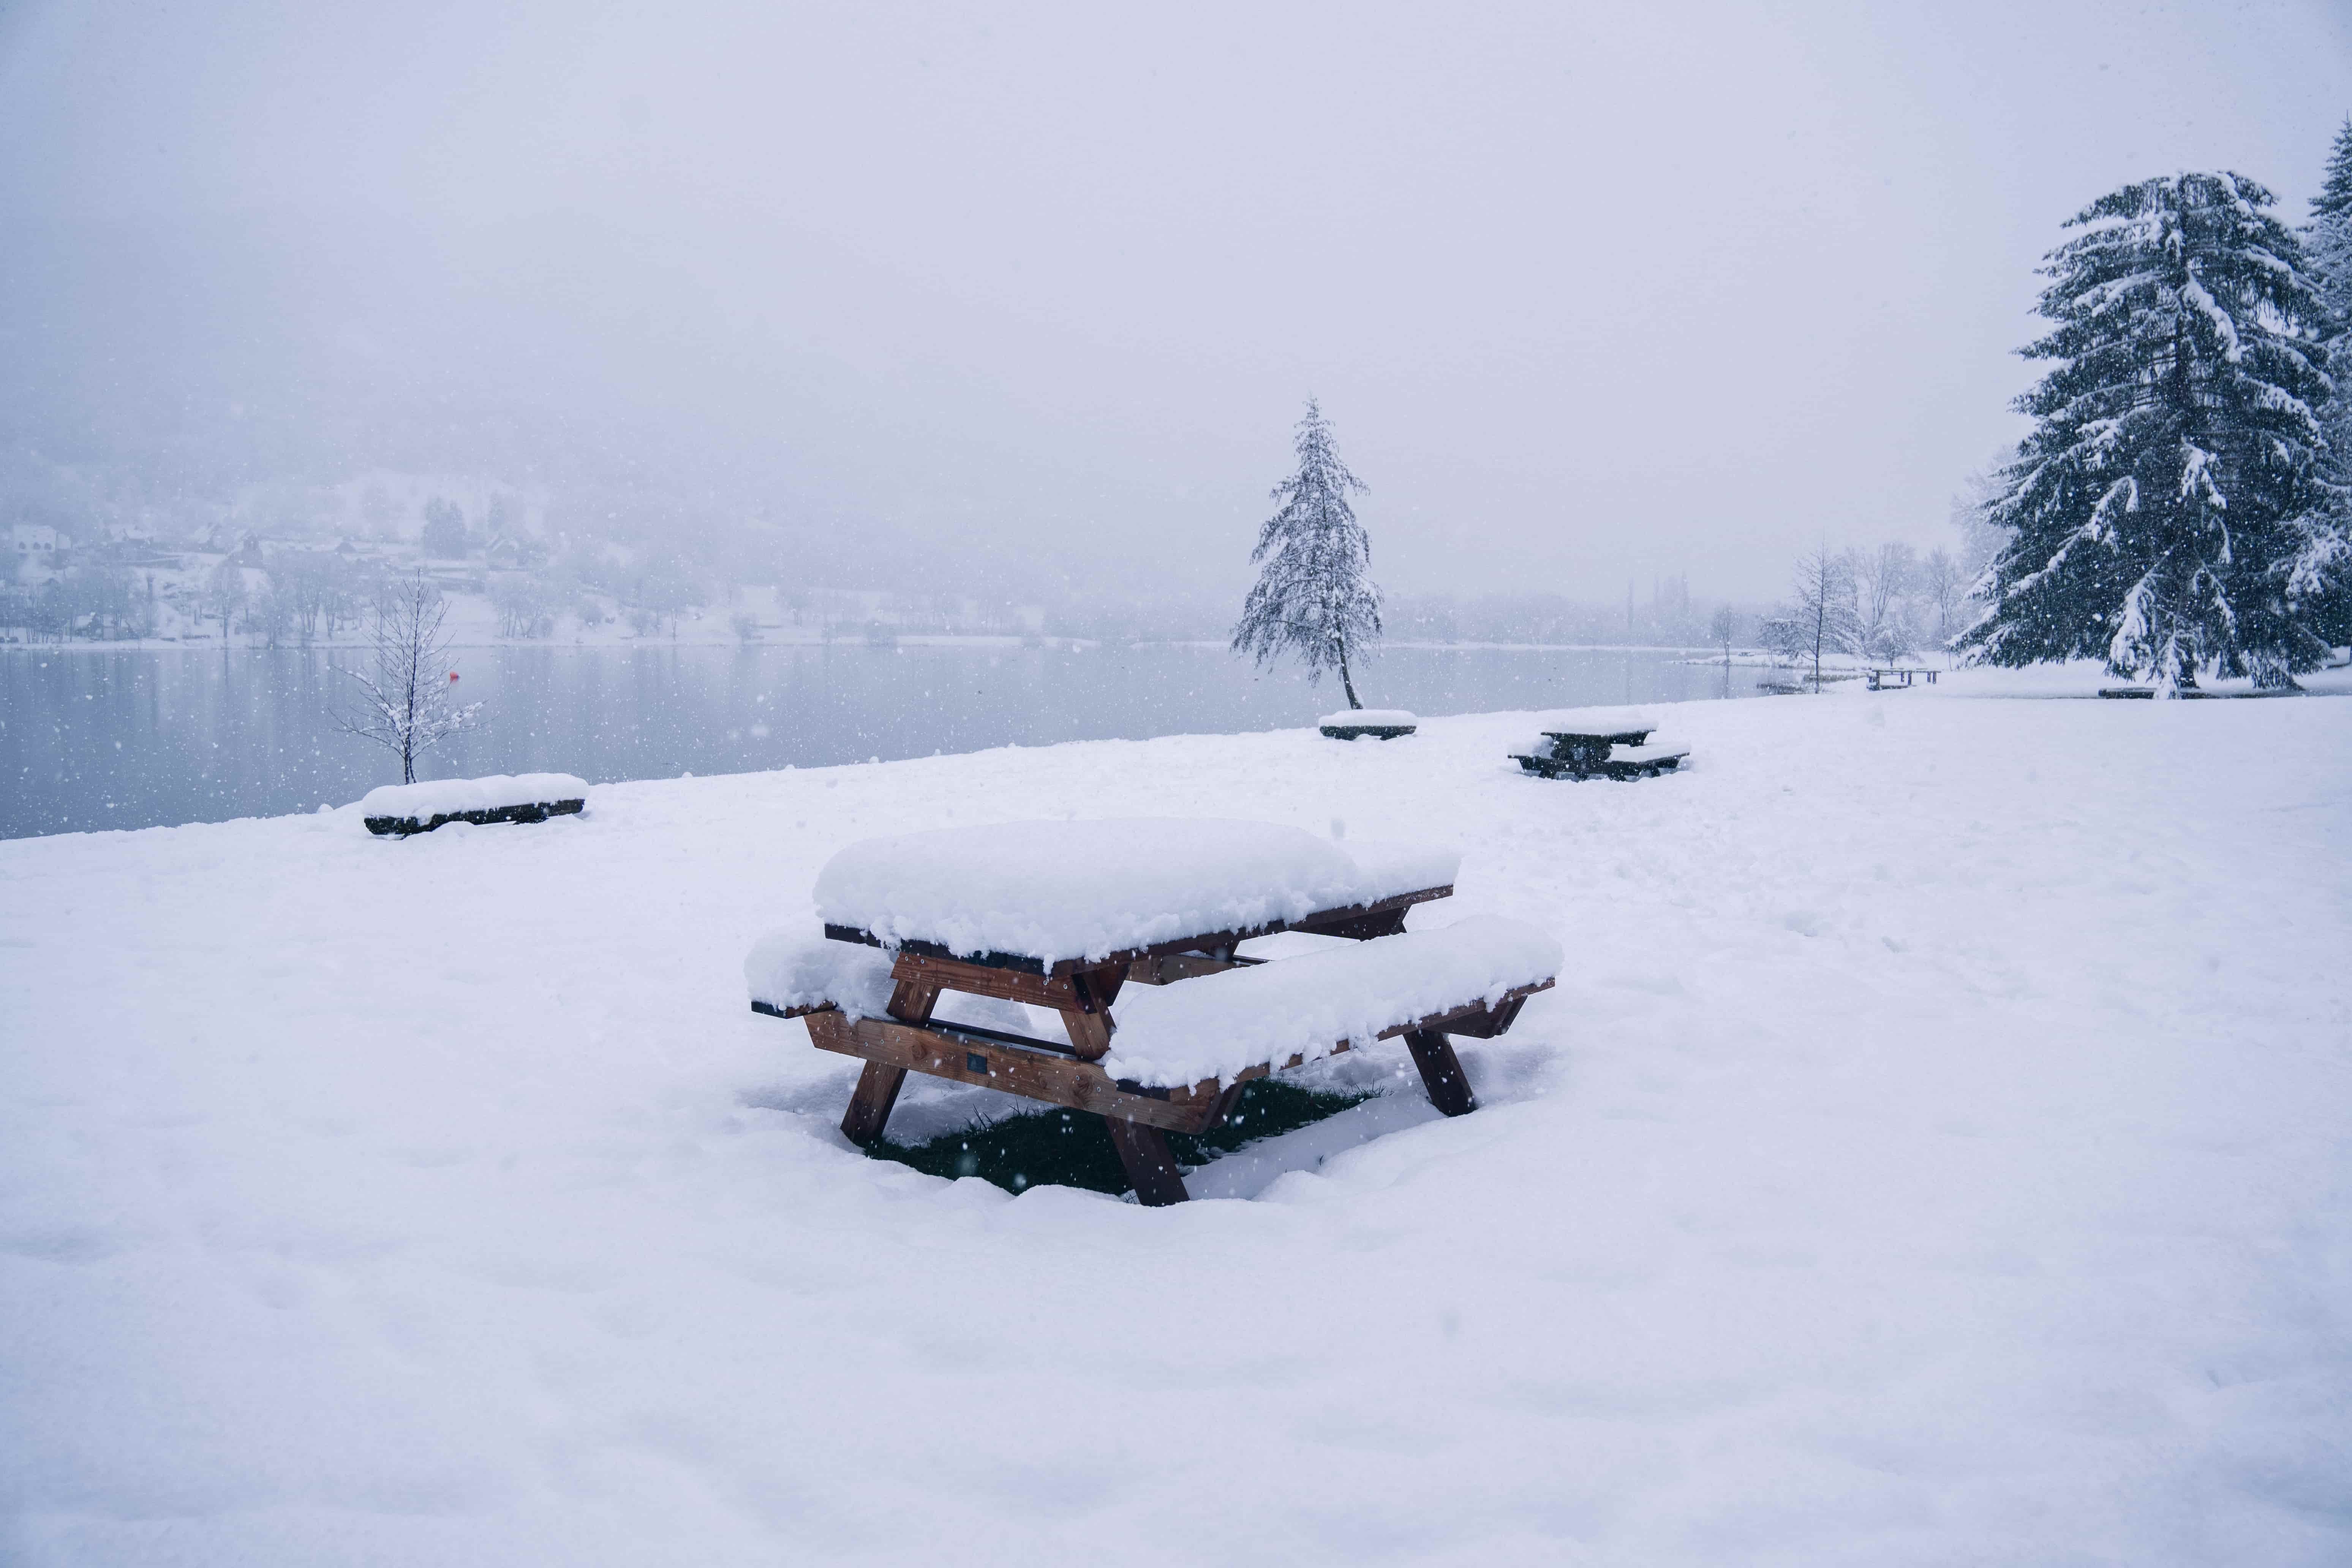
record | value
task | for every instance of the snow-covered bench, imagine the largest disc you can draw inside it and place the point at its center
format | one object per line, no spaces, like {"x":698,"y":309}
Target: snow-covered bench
{"x":1065,"y":916}
{"x":404,"y":809}
{"x":1380,"y":723}
{"x":1468,"y":978}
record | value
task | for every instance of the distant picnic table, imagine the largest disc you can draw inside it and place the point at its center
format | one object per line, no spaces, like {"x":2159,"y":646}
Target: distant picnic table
{"x":1591,"y":754}
{"x":1899,"y":676}
{"x":1146,"y":917}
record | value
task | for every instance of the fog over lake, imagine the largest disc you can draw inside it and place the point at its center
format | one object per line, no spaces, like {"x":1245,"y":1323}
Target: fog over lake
{"x":93,"y":740}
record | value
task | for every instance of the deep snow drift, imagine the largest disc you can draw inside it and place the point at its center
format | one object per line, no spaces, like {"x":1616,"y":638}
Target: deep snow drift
{"x":1934,"y":1151}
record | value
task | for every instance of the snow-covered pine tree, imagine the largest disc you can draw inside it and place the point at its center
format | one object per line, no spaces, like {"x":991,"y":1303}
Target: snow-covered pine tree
{"x":1314,"y":596}
{"x":2334,"y":197}
{"x":2328,"y":243}
{"x":2167,"y":513}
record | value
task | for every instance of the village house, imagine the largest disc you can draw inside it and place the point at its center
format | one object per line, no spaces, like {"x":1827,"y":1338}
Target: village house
{"x":35,"y":551}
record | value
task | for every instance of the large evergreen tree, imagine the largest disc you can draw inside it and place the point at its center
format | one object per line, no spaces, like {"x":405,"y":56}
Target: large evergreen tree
{"x":2169,"y":512}
{"x":2328,"y":242}
{"x":1314,"y":595}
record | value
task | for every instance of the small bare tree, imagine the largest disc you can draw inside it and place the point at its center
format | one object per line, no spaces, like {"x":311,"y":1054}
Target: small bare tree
{"x":1884,"y":579}
{"x":405,"y":706}
{"x":1946,"y":588}
{"x":1720,"y":630}
{"x":1822,"y":619}
{"x":224,"y":596}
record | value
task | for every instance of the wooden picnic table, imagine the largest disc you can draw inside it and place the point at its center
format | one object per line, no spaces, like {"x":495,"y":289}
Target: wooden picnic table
{"x":1585,"y":754}
{"x":1083,"y":991}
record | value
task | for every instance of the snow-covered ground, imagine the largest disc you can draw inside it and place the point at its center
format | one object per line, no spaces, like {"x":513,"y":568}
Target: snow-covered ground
{"x":1935,"y":1151}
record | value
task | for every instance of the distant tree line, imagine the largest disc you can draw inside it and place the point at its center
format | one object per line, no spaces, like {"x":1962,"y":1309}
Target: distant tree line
{"x":96,"y":602}
{"x":1886,"y":603}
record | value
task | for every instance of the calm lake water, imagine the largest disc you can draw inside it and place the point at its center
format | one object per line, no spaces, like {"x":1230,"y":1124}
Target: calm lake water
{"x":134,"y":738}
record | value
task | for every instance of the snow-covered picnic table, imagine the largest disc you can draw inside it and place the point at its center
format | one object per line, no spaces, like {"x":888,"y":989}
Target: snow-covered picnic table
{"x":1586,"y":754}
{"x":1065,"y":915}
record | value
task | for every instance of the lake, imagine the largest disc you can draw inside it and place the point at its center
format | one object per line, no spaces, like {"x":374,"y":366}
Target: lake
{"x":104,"y":738}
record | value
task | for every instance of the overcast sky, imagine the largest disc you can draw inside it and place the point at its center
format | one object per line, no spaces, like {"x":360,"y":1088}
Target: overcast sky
{"x":1591,"y":293}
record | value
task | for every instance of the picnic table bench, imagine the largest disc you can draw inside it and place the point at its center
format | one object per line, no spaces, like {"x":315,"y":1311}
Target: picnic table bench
{"x":1899,"y":678}
{"x":1588,"y":753}
{"x":1146,"y":917}
{"x":1380,"y":723}
{"x":400,"y":810}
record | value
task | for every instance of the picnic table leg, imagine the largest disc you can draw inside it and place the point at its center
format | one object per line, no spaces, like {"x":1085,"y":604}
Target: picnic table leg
{"x":1143,"y":1151}
{"x":1088,"y":1022}
{"x":1441,"y":1072}
{"x":869,"y":1107}
{"x":877,"y":1087}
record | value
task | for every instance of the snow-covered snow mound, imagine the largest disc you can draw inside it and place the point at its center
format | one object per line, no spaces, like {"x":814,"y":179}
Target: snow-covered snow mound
{"x":1218,"y":1025}
{"x":450,"y":797}
{"x":789,"y":969}
{"x":1056,"y":891}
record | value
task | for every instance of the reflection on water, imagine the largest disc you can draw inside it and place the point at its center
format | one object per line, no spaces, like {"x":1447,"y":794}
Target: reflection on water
{"x":95,"y":739}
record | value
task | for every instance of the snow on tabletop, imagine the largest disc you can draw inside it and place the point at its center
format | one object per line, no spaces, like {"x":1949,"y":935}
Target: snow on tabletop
{"x":801,"y":968}
{"x":1369,"y":718}
{"x":1386,"y":869}
{"x":1218,"y":1025}
{"x":445,"y":798}
{"x":1601,"y":722}
{"x":1056,"y":891}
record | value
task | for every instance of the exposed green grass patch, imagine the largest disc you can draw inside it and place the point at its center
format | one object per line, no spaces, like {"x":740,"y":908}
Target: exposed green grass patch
{"x":1072,"y":1148}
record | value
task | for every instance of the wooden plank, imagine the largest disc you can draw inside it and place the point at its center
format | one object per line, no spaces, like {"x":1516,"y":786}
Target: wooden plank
{"x":1645,"y":767}
{"x":1494,"y":1021}
{"x":1441,"y":1072}
{"x":1090,"y":1032}
{"x":773,"y":1011}
{"x":994,"y":1060}
{"x":985,"y":980}
{"x":1613,"y":737}
{"x":1347,"y":921}
{"x":911,"y":1001}
{"x":1478,"y":1018}
{"x":870,"y":1103}
{"x":941,"y":1052}
{"x":1088,"y":1019}
{"x":1364,"y":927}
{"x":979,"y":1033}
{"x":877,"y":1087}
{"x":1150,"y":1169}
{"x":836,"y":932}
{"x":526,"y":811}
{"x":1168,"y":968}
